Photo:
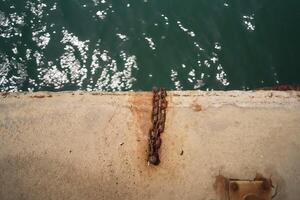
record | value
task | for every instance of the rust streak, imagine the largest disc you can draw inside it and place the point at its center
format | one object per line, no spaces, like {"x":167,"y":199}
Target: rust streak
{"x":281,"y":87}
{"x":197,"y":107}
{"x":38,"y":96}
{"x":141,"y":111}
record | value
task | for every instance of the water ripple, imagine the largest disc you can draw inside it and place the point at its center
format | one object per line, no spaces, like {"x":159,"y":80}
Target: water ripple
{"x":111,"y":45}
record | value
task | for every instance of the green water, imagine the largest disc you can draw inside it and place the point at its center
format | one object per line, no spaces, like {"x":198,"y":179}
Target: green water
{"x":137,"y":44}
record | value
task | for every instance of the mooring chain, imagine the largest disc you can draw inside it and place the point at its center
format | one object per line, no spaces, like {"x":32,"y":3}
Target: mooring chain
{"x":158,"y":118}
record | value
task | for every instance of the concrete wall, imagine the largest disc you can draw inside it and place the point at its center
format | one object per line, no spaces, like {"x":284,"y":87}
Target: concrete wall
{"x":94,"y":146}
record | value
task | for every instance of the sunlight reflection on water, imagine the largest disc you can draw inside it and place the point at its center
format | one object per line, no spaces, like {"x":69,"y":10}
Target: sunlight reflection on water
{"x":45,"y":49}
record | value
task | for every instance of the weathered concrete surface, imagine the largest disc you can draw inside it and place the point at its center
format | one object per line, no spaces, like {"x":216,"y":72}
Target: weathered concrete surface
{"x":93,"y":146}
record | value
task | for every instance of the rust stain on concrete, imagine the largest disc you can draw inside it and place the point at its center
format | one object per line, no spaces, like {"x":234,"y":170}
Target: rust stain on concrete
{"x":196,"y":107}
{"x":97,"y":94}
{"x":141,"y":108}
{"x":169,"y":168}
{"x":281,"y":87}
{"x":41,"y":96}
{"x":221,"y":187}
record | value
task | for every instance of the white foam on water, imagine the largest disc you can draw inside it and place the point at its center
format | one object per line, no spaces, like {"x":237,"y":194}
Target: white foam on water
{"x":248,"y":21}
{"x":190,"y":33}
{"x":112,"y":77}
{"x":101,"y":14}
{"x":123,"y":37}
{"x":41,"y":37}
{"x":54,"y":7}
{"x":11,"y":82}
{"x":218,"y":46}
{"x":150,"y":42}
{"x":174,"y":78}
{"x":166,"y":19}
{"x":221,"y":76}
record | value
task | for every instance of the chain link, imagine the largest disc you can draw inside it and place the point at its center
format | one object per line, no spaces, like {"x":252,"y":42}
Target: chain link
{"x":158,"y":118}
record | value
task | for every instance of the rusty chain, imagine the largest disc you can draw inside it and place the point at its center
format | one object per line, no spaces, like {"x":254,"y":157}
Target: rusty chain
{"x":158,"y":118}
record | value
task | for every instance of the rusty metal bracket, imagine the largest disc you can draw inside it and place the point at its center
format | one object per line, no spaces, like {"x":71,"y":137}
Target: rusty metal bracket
{"x":260,"y":188}
{"x":250,"y":190}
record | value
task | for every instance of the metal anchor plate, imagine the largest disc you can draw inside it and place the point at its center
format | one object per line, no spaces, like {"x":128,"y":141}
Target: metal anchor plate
{"x":250,"y":190}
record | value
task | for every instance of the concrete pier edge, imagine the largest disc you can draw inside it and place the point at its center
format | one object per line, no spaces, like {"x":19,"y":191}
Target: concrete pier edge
{"x":93,"y":145}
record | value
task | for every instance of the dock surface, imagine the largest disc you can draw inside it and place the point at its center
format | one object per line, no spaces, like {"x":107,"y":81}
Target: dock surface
{"x":80,"y":145}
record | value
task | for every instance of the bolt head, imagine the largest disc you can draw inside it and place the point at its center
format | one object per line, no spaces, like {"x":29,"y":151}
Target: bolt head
{"x":154,"y":160}
{"x":234,"y":186}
